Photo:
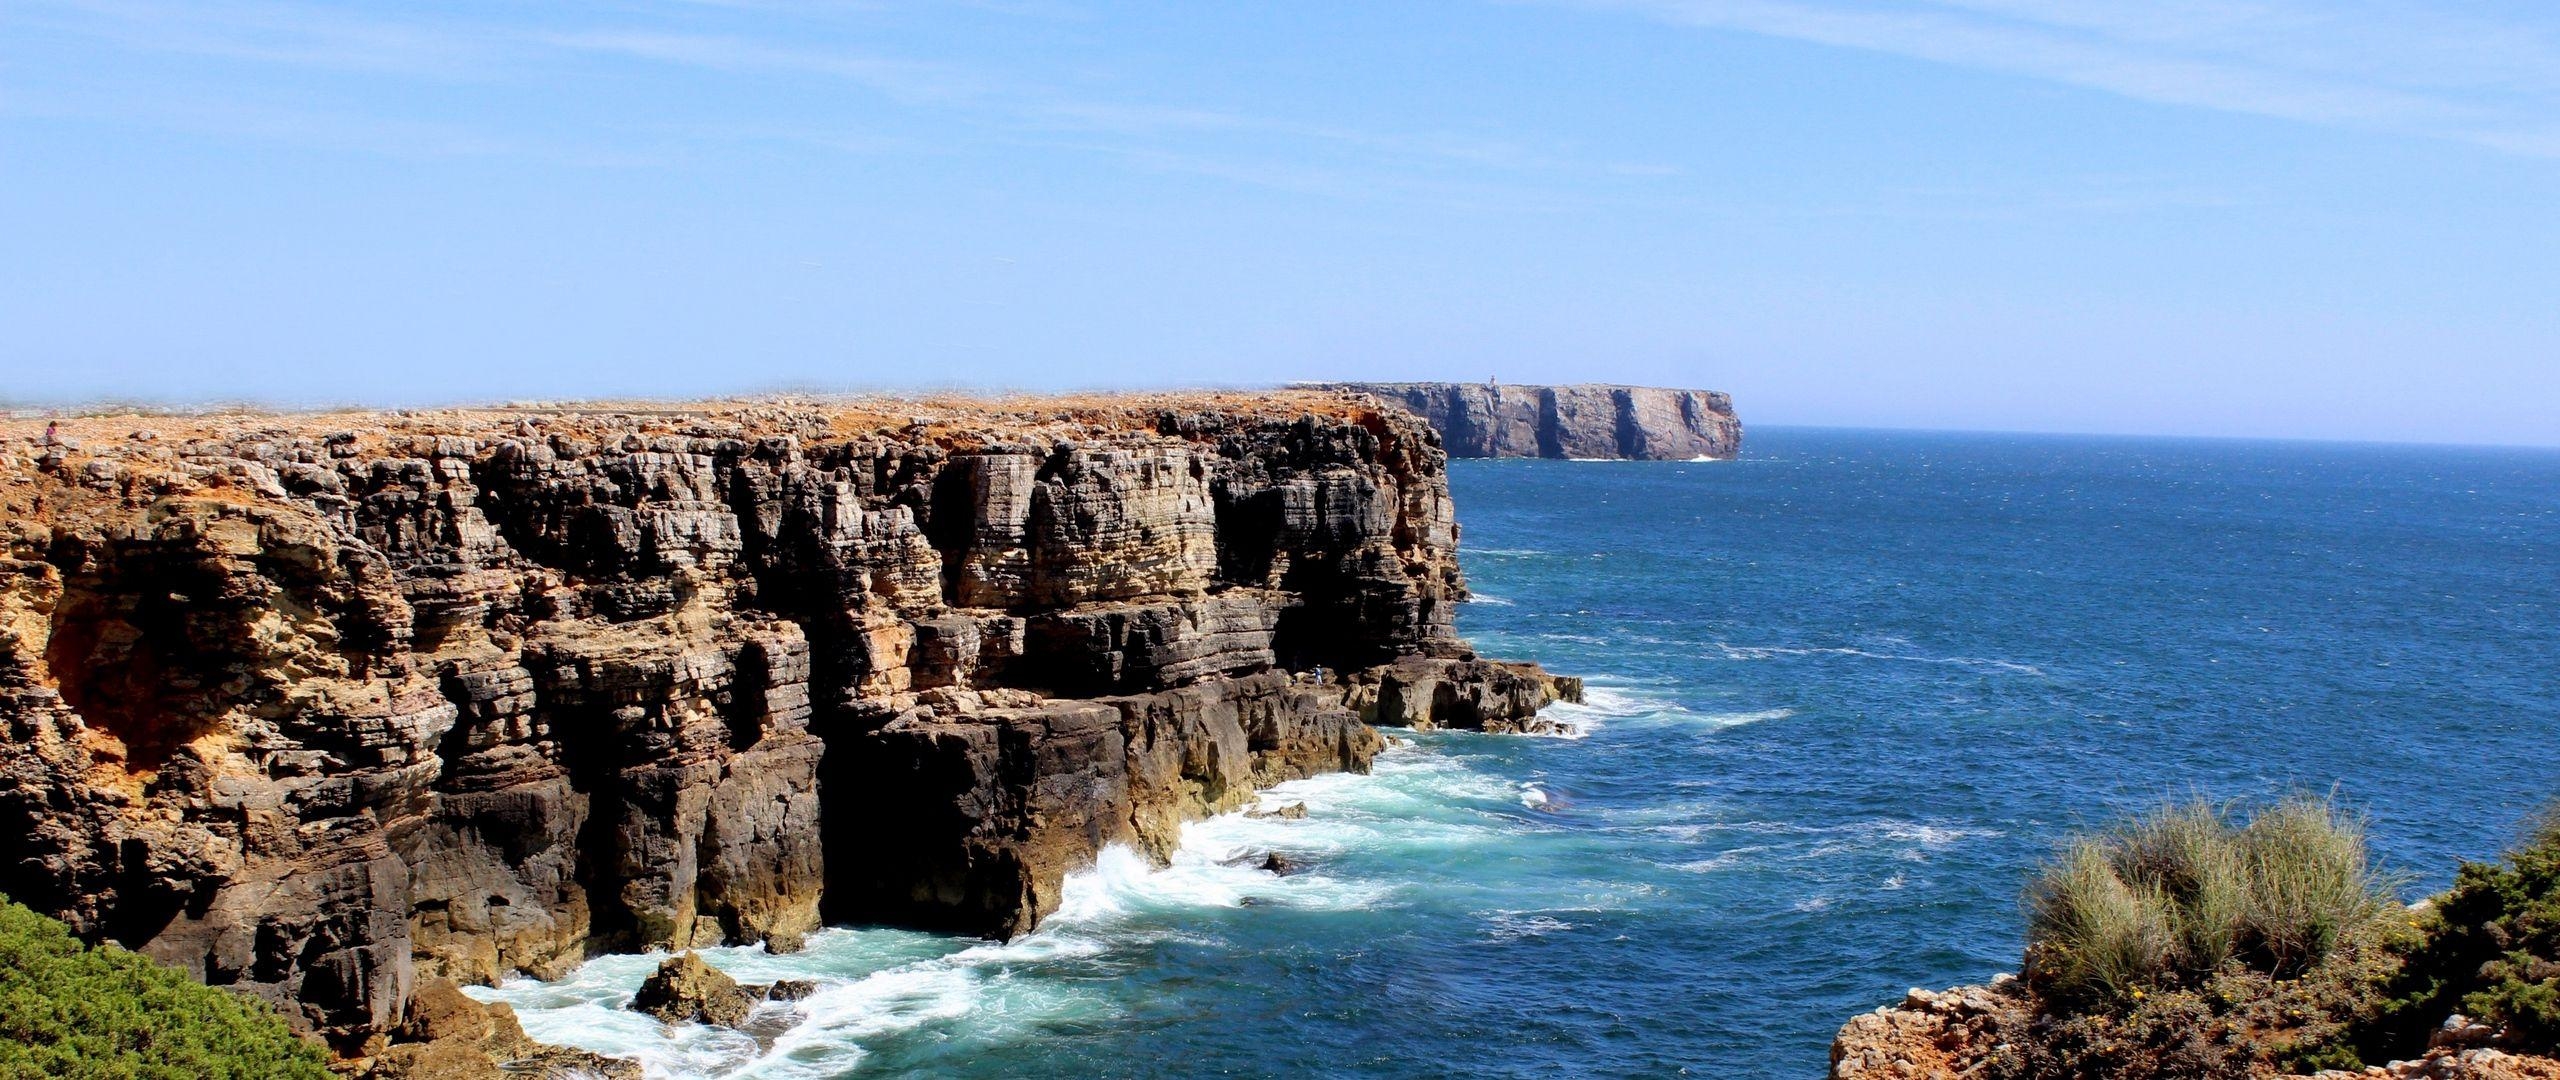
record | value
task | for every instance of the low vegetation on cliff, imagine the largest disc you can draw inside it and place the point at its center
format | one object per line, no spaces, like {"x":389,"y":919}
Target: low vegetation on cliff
{"x":2491,"y":949}
{"x":2196,"y":944}
{"x":72,"y":1010}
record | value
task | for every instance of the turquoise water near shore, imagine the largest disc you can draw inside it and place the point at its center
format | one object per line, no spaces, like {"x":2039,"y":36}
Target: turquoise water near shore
{"x":1847,"y":691}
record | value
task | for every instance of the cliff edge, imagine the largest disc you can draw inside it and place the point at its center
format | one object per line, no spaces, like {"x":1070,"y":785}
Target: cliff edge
{"x":323,"y":707}
{"x":1582,"y":421}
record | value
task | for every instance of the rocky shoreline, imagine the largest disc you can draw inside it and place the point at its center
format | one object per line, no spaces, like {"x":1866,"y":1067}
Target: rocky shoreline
{"x":1971,"y":1031}
{"x":330,"y":708}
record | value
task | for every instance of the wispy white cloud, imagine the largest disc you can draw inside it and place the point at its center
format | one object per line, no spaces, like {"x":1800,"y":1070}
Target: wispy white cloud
{"x":907,"y":79}
{"x":993,"y":107}
{"x":259,"y":32}
{"x":2371,"y":64}
{"x":1068,"y":113}
{"x":268,"y":122}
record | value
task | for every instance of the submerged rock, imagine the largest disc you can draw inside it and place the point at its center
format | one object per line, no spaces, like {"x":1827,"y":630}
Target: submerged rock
{"x":788,"y":990}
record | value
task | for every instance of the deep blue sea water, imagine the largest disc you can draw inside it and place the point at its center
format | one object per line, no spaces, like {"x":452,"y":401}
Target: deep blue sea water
{"x":1847,"y":691}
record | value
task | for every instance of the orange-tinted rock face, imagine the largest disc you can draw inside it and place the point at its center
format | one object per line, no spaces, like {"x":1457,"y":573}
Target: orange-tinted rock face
{"x":321,"y":705}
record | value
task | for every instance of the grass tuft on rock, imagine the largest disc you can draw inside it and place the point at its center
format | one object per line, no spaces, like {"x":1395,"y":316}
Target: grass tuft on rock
{"x":2194,"y":944}
{"x":2169,"y":900}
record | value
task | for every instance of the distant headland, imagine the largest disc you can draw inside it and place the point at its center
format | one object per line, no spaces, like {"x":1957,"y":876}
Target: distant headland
{"x":1584,"y":420}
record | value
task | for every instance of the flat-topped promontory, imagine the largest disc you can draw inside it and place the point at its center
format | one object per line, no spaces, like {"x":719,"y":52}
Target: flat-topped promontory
{"x":323,"y":706}
{"x":1581,"y":421}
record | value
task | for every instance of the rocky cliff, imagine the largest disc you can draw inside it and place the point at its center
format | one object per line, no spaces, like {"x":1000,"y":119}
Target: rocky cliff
{"x":322,"y":706}
{"x":1588,"y":420}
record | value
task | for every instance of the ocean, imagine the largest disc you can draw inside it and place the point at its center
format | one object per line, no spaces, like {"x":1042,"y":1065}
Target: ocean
{"x":1846,"y":693}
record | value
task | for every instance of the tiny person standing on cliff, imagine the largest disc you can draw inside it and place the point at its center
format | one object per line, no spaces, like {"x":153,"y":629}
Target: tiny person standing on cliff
{"x":53,"y":433}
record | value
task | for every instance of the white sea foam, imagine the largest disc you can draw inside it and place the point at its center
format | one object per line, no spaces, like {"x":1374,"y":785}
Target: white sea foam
{"x":1909,"y":840}
{"x":1764,"y":652}
{"x":873,"y":983}
{"x":1606,"y":703}
{"x":1722,"y":860}
{"x":1488,"y":600}
{"x":1737,"y":719}
{"x":1600,"y":704}
{"x":1514,"y":925}
{"x":879,"y":983}
{"x":1930,"y":835}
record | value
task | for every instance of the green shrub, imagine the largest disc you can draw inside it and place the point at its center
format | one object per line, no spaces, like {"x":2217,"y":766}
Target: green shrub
{"x":2237,"y":1024}
{"x":2174,"y":899}
{"x":72,"y":1011}
{"x":2492,"y":948}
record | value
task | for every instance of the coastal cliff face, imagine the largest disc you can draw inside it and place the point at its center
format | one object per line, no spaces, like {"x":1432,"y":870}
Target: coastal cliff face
{"x":1589,"y":420}
{"x":321,"y":706}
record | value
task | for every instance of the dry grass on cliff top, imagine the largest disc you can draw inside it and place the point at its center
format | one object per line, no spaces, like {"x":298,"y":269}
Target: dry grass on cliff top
{"x":148,"y":446}
{"x":941,"y":415}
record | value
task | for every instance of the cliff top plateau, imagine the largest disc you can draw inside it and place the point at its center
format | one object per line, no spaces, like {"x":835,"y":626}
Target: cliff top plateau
{"x":950,"y":421}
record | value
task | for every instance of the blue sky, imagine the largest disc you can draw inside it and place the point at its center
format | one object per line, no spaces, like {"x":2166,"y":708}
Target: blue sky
{"x":2329,"y":219}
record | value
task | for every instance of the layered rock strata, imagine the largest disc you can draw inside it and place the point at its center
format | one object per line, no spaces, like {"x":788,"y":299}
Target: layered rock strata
{"x":320,"y":706}
{"x":1585,"y":420}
